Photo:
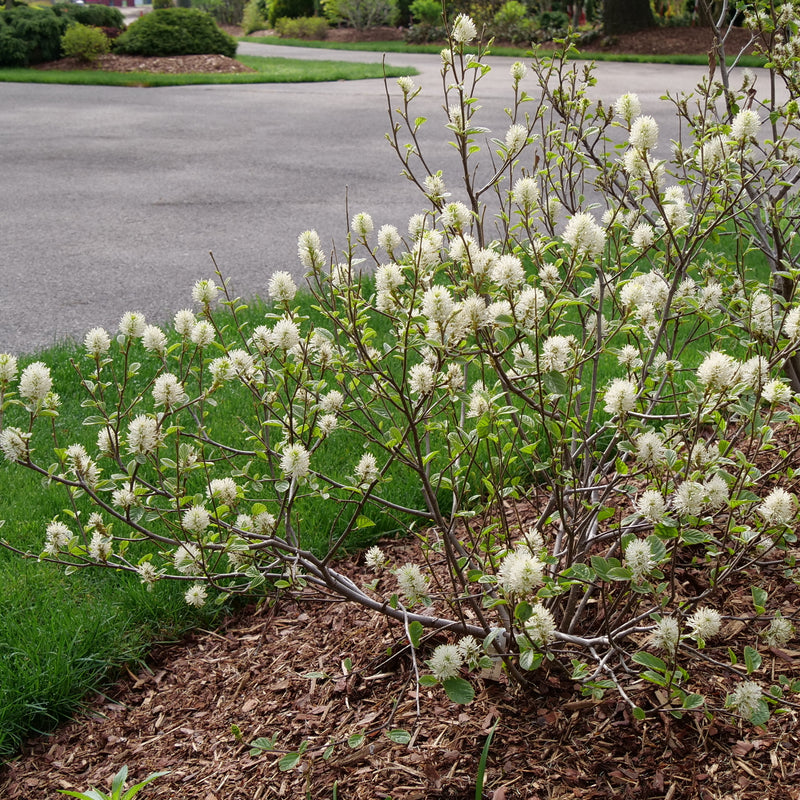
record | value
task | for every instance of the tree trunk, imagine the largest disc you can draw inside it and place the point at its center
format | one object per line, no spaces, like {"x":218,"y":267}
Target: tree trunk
{"x":623,"y":16}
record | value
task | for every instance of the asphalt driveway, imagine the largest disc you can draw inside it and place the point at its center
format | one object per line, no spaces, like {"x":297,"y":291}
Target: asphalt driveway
{"x":112,"y":198}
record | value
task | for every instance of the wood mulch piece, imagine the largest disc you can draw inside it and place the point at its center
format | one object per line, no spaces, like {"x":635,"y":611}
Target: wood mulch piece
{"x":283,"y":671}
{"x":173,"y":65}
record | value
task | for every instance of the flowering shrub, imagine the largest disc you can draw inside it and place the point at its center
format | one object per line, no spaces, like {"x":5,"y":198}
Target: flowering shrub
{"x":586,"y":392}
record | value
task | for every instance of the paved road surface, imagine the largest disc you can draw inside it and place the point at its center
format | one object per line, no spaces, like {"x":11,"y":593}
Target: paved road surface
{"x":112,"y":198}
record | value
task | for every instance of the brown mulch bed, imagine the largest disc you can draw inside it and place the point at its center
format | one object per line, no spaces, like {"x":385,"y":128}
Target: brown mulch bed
{"x":173,"y":65}
{"x":283,"y":671}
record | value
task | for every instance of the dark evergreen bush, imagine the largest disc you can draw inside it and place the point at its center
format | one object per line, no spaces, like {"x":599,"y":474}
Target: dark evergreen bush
{"x":175,"y":32}
{"x":92,"y":14}
{"x":29,"y":36}
{"x":289,"y":8}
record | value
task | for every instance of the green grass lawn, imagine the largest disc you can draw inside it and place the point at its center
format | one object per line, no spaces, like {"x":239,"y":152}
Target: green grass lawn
{"x":269,"y":70}
{"x":513,"y":52}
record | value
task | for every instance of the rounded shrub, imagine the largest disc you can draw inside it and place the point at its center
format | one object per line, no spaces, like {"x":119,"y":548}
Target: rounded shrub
{"x":29,"y":36}
{"x":92,"y":14}
{"x":289,"y":8}
{"x":175,"y":32}
{"x":85,"y":42}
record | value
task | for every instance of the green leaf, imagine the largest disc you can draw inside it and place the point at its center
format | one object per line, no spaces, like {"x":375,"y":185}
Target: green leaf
{"x":752,"y":659}
{"x":639,"y":713}
{"x":364,"y":522}
{"x":134,"y":790}
{"x":399,"y":736}
{"x":759,"y":599}
{"x":356,"y":740}
{"x":761,"y":715}
{"x":649,"y":660}
{"x":555,"y":383}
{"x":289,"y":761}
{"x":693,"y":701}
{"x":459,"y":690}
{"x":415,"y":630}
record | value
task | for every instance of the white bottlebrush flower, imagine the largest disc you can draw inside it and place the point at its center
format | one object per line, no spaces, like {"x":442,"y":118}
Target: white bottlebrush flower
{"x":628,"y":356}
{"x":100,"y":547}
{"x":529,"y":306}
{"x":456,"y":216}
{"x":57,"y":537}
{"x":389,"y":277}
{"x":35,"y":382}
{"x":705,"y":623}
{"x":406,"y":84}
{"x":327,"y":424}
{"x":123,"y":498}
{"x":148,"y":574}
{"x":362,"y":225}
{"x":676,"y":215}
{"x":718,"y":372}
{"x":281,"y":287}
{"x":666,"y":635}
{"x":651,"y":505}
{"x":285,"y":335}
{"x":143,"y":435}
{"x":518,"y":71}
{"x":309,"y":250}
{"x":471,"y":650}
{"x":779,"y":633}
{"x":557,"y":353}
{"x":791,"y":325}
{"x":8,"y":367}
{"x":196,"y":519}
{"x":366,"y":470}
{"x":203,"y":333}
{"x":184,"y":322}
{"x":389,"y":238}
{"x":620,"y":396}
{"x":221,"y":370}
{"x":508,"y":272}
{"x":225,"y":490}
{"x":416,"y":225}
{"x":584,"y":235}
{"x":628,"y":107}
{"x":437,"y":304}
{"x":14,"y":444}
{"x":421,"y":380}
{"x":196,"y":595}
{"x":264,"y":523}
{"x":763,"y":314}
{"x":639,"y":559}
{"x":650,"y":449}
{"x":526,"y":193}
{"x":154,"y":340}
{"x":643,"y":236}
{"x":446,"y":661}
{"x":464,"y":30}
{"x":520,"y":573}
{"x":540,"y":627}
{"x":168,"y":391}
{"x":710,"y":297}
{"x":97,"y":342}
{"x":516,"y":138}
{"x":689,"y":498}
{"x":713,"y":154}
{"x":745,"y":699}
{"x":644,"y":133}
{"x":472,"y":313}
{"x":549,"y":276}
{"x":375,"y":559}
{"x":205,"y":291}
{"x":412,"y":583}
{"x":242,"y":363}
{"x":187,"y":559}
{"x":745,"y":125}
{"x":295,"y":461}
{"x":779,"y":507}
{"x":332,"y":401}
{"x":776,"y":392}
{"x":132,"y":324}
{"x":717,"y":493}
{"x":754,"y":372}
